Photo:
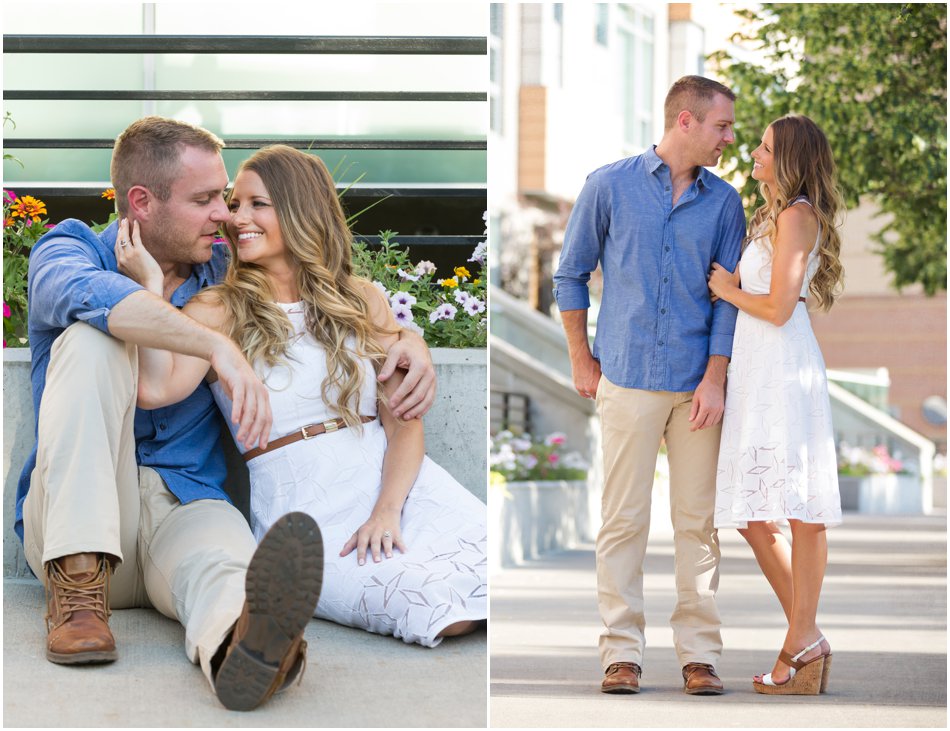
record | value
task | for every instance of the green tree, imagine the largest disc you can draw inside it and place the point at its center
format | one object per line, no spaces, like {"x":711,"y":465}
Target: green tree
{"x":874,"y":77}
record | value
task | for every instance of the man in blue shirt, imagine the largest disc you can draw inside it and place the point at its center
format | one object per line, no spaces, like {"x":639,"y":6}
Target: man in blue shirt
{"x":655,"y":223}
{"x":126,"y":507}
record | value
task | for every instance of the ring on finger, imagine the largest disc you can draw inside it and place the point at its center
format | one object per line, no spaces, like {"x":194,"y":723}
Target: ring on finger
{"x":123,"y":243}
{"x":387,"y":534}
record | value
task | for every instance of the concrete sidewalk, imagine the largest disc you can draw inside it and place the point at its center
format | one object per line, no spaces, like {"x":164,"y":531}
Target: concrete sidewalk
{"x":353,"y":678}
{"x":884,"y":610}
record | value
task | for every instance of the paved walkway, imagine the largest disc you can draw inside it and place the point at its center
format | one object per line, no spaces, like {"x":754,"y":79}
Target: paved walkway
{"x":353,"y":678}
{"x":884,"y":609}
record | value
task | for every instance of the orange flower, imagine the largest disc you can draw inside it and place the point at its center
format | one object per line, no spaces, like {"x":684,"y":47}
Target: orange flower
{"x":7,"y":222}
{"x":28,"y":207}
{"x":109,"y":194}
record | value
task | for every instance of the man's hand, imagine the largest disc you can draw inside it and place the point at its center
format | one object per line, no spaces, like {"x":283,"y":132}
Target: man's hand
{"x":250,"y":400}
{"x":708,"y":404}
{"x":416,"y":394}
{"x":586,"y":373}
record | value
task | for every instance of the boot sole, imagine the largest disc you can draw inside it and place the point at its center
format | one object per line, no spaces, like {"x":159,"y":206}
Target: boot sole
{"x":97,"y":657}
{"x":282,"y":589}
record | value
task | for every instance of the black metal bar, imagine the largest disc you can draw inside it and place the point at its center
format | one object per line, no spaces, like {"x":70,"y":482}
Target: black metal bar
{"x":425,"y":240}
{"x":359,"y":96}
{"x":257,"y":142}
{"x":450,"y":190}
{"x":363,"y":45}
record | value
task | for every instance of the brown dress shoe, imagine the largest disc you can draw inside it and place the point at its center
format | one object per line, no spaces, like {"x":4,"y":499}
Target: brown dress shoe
{"x":282,"y":587}
{"x":621,"y":677}
{"x":701,"y":679}
{"x":77,"y":603}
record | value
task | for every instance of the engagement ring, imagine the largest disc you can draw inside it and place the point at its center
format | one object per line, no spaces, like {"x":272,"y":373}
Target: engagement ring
{"x":387,"y":534}
{"x":123,"y":243}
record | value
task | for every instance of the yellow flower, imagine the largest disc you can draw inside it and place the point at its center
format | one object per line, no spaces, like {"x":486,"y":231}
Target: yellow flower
{"x":8,"y":221}
{"x":28,"y":207}
{"x":449,"y":283}
{"x":476,"y":281}
{"x":462,"y":272}
{"x":109,"y":194}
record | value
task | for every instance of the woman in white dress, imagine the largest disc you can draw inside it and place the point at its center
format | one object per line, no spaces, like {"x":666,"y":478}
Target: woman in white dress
{"x":777,"y":457}
{"x":405,"y":544}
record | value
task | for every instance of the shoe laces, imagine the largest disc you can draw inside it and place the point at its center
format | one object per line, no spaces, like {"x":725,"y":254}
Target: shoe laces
{"x":79,"y":594}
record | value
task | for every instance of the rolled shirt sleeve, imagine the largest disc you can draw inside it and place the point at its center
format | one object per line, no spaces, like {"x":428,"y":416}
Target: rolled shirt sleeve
{"x":583,"y":245}
{"x":72,"y":278}
{"x":732,"y":231}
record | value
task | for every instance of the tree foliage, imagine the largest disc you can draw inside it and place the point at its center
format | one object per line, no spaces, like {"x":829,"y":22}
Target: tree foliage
{"x":874,"y":78}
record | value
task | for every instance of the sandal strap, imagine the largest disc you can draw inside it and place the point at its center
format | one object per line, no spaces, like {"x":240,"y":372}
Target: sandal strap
{"x":793,"y":661}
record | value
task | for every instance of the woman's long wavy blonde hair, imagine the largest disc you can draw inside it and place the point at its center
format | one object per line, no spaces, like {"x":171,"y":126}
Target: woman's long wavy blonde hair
{"x":804,"y":166}
{"x":318,"y":243}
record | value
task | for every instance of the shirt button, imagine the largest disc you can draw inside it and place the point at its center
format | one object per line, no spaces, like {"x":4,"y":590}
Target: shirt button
{"x":163,"y":426}
{"x":663,"y":312}
{"x":660,"y":343}
{"x":666,"y":279}
{"x":667,"y":248}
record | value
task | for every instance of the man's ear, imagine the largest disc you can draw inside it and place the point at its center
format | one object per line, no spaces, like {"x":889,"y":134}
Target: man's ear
{"x":141,"y":202}
{"x":684,"y":120}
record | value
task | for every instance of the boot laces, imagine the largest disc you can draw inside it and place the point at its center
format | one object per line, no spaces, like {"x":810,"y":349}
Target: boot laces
{"x":79,"y":594}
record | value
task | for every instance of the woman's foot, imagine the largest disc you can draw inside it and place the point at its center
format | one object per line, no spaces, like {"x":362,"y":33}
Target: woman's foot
{"x":780,"y":671}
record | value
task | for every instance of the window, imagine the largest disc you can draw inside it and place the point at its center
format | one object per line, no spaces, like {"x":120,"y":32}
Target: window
{"x":637,"y":45}
{"x":600,"y":27}
{"x":496,"y":67}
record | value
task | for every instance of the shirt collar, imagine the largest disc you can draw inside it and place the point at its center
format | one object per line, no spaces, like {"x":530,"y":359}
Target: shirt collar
{"x":654,"y":162}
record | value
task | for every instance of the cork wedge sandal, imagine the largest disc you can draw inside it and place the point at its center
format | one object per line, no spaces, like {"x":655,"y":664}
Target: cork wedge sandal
{"x":804,"y":678}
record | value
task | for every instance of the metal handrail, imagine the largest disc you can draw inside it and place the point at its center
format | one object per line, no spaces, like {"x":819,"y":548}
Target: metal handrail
{"x":361,"y":45}
{"x":278,"y":96}
{"x":253,"y":143}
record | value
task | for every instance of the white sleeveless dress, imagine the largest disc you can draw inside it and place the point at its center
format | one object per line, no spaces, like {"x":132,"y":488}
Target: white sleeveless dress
{"x":777,"y":454}
{"x":335,"y":478}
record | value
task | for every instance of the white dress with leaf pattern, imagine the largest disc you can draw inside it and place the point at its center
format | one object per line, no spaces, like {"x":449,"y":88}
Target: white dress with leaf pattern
{"x":335,"y":477}
{"x":777,"y":455}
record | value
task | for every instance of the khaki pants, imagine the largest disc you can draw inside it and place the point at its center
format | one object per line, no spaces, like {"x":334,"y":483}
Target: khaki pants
{"x":88,"y":495}
{"x":633,"y":422}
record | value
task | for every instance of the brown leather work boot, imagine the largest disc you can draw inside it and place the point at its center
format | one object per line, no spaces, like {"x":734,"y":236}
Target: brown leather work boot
{"x":267,"y":651}
{"x":77,"y":619}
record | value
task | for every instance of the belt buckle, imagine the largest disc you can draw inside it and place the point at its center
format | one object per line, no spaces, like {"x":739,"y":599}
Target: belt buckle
{"x":331,"y":425}
{"x":303,"y":433}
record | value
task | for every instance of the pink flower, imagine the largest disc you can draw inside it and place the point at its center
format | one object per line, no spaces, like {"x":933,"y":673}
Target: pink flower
{"x":553,"y":458}
{"x":6,"y":310}
{"x":8,"y":196}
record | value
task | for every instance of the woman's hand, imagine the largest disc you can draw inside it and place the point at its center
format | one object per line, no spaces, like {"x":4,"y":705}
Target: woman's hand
{"x":722,"y":282}
{"x":134,"y":260}
{"x":380,"y":534}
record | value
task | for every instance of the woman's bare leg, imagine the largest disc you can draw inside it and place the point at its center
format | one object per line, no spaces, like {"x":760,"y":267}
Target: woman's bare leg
{"x":774,"y":557}
{"x":809,"y":559}
{"x":461,"y":628}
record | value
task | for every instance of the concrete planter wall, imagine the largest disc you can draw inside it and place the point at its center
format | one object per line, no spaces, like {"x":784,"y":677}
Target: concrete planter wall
{"x":527,"y":519}
{"x":882,"y":494}
{"x":455,"y":430}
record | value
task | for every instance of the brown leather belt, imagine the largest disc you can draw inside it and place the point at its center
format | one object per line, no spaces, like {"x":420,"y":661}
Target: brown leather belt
{"x":305,"y":432}
{"x":802,"y":299}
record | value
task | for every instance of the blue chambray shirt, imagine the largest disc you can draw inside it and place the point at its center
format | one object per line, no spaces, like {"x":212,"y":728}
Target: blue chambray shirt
{"x":73,"y":278}
{"x":657,"y":327}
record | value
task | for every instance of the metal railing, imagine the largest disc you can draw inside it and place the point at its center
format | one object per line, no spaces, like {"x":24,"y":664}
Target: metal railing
{"x":510,"y":411}
{"x":289,"y":45}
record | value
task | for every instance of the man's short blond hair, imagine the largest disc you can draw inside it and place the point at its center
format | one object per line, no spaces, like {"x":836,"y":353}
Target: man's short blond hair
{"x":148,"y":151}
{"x":695,"y":94}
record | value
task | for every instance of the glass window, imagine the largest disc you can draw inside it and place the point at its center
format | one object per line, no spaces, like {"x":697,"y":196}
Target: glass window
{"x":600,"y":27}
{"x":635,"y":29}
